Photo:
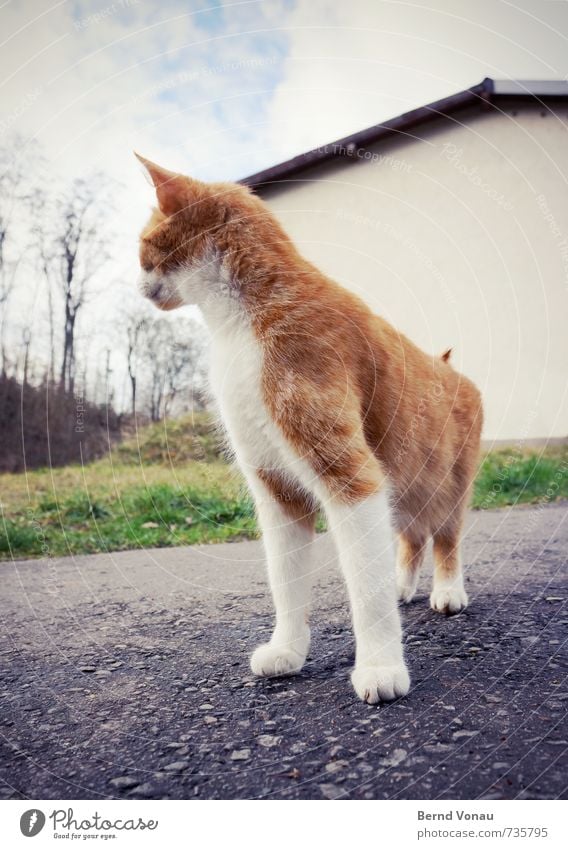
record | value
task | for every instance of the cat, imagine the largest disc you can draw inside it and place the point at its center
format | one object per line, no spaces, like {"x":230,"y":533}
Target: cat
{"x":326,"y":406}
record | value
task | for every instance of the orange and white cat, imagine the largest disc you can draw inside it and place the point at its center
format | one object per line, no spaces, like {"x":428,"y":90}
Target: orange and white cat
{"x":325,"y":405}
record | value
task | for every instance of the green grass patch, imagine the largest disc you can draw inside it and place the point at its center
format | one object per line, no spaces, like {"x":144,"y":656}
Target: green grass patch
{"x":155,"y":515}
{"x":514,"y":477}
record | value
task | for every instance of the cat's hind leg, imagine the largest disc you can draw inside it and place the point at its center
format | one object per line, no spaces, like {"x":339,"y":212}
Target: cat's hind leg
{"x":409,"y":558}
{"x":448,"y":592}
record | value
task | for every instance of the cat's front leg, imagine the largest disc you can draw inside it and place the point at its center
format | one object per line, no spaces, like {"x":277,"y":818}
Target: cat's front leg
{"x":287,"y":522}
{"x":363,"y":535}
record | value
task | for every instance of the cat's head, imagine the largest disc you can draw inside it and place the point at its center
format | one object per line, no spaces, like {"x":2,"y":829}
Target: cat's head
{"x":194,"y":228}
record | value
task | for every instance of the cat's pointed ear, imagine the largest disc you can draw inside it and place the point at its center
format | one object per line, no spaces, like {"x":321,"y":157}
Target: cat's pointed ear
{"x":171,"y":188}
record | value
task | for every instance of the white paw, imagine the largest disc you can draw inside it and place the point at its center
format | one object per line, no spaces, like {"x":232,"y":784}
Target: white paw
{"x":449,"y":598}
{"x":406,"y":583}
{"x":271,"y":660}
{"x":380,"y":683}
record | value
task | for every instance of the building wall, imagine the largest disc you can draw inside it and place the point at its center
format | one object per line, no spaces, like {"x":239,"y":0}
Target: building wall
{"x":458,"y":234}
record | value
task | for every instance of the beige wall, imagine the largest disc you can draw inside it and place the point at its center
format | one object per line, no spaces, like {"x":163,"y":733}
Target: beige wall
{"x":475,"y":260}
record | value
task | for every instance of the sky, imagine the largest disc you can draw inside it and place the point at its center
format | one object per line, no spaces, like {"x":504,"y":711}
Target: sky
{"x":222,"y":90}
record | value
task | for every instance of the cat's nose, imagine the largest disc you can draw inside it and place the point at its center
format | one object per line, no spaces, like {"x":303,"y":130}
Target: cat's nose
{"x":154,"y":291}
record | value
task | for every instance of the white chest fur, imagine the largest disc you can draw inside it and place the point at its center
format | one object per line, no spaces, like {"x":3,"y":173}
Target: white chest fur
{"x":236,"y":382}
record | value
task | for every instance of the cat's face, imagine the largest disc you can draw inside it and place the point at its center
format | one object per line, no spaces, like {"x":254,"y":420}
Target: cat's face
{"x":160,"y":269}
{"x":179,"y":252}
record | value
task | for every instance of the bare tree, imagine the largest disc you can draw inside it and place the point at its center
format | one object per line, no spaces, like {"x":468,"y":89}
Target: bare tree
{"x":26,"y":342}
{"x":173,"y":363}
{"x":45,"y":251}
{"x":184,"y":370}
{"x":52,"y":251}
{"x":81,"y":252}
{"x":21,"y":173}
{"x":11,"y":191}
{"x":136,"y":332}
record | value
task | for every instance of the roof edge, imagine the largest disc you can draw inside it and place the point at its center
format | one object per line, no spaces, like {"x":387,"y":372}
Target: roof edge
{"x":484,"y":93}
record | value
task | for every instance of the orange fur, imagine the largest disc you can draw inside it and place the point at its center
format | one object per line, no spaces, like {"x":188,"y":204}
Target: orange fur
{"x":297,"y":505}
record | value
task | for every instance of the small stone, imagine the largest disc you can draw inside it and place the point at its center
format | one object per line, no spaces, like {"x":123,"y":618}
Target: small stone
{"x":436,"y":748}
{"x":188,"y":520}
{"x":150,"y":525}
{"x":206,"y":706}
{"x":176,"y":766}
{"x":147,"y":790}
{"x":268,"y":740}
{"x":331,"y":791}
{"x":87,"y":669}
{"x":457,"y":735}
{"x":336,"y":766}
{"x":123,"y":782}
{"x":211,"y":720}
{"x":240,"y":755}
{"x":397,"y":757}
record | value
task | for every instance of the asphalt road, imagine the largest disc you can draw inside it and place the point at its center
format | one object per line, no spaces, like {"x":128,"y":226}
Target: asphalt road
{"x":126,"y":675}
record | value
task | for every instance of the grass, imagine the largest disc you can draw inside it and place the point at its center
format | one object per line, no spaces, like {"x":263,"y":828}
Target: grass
{"x":175,"y":442}
{"x":104,"y":507}
{"x":521,"y":477}
{"x":163,"y":487}
{"x":170,"y":487}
